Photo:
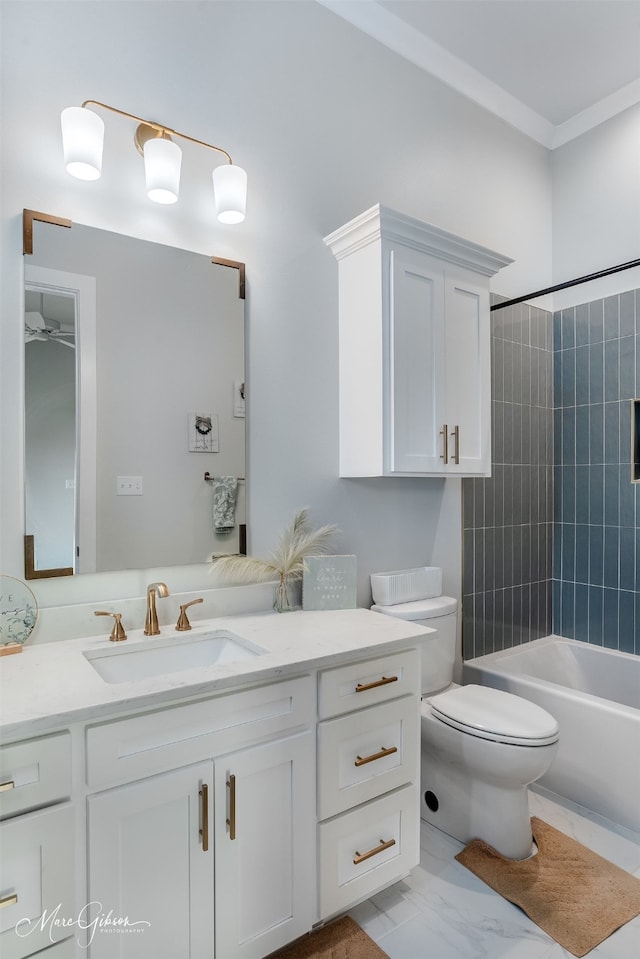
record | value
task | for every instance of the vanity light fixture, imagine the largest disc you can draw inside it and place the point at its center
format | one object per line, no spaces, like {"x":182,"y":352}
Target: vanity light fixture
{"x":83,"y":139}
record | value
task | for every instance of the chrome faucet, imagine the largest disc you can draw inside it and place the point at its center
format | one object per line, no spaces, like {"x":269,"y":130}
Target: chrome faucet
{"x":151,"y":627}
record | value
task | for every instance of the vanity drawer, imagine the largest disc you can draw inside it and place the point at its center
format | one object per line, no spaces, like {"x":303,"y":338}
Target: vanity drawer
{"x":367,"y":683}
{"x":33,"y":773}
{"x":366,"y":849}
{"x":367,"y":753}
{"x":128,"y":749}
{"x":36,"y":875}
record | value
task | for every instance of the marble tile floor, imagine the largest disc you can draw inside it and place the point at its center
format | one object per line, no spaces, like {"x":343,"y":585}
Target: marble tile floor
{"x":443,"y":911}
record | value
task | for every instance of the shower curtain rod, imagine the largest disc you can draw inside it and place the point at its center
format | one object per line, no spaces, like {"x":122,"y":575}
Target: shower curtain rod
{"x":566,"y":284}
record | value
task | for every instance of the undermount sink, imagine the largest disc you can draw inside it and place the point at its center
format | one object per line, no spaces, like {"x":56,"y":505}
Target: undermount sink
{"x":125,"y":664}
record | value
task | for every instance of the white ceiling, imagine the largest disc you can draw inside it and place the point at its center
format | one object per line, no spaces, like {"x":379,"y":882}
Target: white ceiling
{"x":551,"y":68}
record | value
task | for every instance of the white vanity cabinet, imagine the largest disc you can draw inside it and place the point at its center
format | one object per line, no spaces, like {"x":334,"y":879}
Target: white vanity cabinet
{"x":151,"y":864}
{"x":265,"y":847}
{"x":205,"y":832}
{"x":219,"y":818}
{"x":414,"y":347}
{"x":37,"y":844}
{"x":368,"y":777}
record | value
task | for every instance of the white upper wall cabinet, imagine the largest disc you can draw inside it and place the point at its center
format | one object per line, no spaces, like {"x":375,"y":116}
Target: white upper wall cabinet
{"x":415,"y":364}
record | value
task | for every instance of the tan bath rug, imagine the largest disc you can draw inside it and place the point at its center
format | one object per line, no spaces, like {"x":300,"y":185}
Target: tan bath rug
{"x":343,"y":939}
{"x":576,"y":896}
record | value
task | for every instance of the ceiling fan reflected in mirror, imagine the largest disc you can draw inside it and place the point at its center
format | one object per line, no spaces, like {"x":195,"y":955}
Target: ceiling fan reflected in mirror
{"x":49,"y":317}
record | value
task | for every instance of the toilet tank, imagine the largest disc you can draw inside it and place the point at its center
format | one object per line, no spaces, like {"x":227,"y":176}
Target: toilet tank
{"x":439,"y":651}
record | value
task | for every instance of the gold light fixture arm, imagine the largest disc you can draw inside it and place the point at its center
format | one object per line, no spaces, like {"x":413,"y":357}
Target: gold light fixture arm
{"x":158,"y":128}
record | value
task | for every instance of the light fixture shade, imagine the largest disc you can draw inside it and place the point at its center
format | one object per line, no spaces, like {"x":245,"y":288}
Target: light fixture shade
{"x":82,"y":142}
{"x":162,"y":160}
{"x":230,"y":191}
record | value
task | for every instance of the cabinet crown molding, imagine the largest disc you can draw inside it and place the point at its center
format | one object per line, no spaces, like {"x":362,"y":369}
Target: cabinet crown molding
{"x":380,"y":222}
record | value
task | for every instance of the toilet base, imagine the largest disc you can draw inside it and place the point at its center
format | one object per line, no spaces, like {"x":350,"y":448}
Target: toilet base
{"x":466,"y":808}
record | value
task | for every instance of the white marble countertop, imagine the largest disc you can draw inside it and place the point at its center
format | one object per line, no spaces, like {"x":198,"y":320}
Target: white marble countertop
{"x":54,"y":684}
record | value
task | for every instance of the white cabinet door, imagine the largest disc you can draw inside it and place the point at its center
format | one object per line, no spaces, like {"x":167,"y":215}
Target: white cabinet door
{"x":467,"y":405}
{"x":36,"y":881}
{"x":265,"y":847}
{"x":150,"y":869}
{"x":439,"y":417}
{"x":416,"y":389}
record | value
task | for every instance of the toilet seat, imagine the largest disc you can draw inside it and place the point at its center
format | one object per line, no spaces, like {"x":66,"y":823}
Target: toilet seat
{"x":493,"y":714}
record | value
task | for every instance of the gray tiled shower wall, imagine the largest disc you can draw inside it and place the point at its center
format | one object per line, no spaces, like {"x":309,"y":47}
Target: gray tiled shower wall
{"x":508,"y":518}
{"x":552,"y":539}
{"x":596,"y":568}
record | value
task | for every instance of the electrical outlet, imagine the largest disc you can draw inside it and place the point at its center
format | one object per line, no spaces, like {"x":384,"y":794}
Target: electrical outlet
{"x":129,"y":485}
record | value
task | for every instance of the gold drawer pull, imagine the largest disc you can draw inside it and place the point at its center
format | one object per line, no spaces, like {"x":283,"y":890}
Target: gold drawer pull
{"x":360,"y":857}
{"x":9,"y":900}
{"x":5,"y":787}
{"x":204,"y":832}
{"x":384,"y":751}
{"x":231,"y":821}
{"x":361,"y":687}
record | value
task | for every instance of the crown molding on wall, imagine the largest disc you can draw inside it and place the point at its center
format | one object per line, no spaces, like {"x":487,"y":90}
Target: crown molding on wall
{"x":382,"y":25}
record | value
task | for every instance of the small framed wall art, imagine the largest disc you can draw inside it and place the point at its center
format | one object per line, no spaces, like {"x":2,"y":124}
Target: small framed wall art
{"x":202,"y":433}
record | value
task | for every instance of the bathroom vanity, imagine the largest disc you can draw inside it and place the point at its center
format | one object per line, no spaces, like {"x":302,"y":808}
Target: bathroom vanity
{"x":218,"y":810}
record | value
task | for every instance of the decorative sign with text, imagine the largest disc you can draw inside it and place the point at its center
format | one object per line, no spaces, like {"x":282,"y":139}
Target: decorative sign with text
{"x":329,"y":582}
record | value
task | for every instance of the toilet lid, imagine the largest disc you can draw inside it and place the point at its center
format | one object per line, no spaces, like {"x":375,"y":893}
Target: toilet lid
{"x":420,"y":609}
{"x":493,"y":714}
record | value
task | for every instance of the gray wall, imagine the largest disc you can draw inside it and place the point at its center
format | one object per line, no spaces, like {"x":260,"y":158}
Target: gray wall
{"x":326,"y":122}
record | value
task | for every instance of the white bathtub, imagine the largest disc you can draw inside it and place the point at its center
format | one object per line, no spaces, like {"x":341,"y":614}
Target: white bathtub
{"x":594,"y":694}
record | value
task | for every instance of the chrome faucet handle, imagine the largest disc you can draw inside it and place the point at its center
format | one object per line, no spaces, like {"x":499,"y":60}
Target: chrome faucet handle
{"x":151,"y":627}
{"x":117,"y":633}
{"x":183,"y":621}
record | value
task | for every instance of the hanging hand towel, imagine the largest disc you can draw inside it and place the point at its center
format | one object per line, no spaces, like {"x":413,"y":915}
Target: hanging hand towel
{"x":225,"y":490}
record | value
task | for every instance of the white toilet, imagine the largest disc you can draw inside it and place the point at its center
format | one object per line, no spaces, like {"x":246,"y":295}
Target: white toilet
{"x":481,"y":747}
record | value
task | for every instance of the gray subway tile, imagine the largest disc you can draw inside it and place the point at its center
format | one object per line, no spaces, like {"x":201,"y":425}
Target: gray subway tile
{"x":581,"y":621}
{"x":610,"y":619}
{"x":627,"y":372}
{"x":596,"y":372}
{"x":596,"y":321}
{"x":611,"y":570}
{"x":626,"y":624}
{"x":627,"y":559}
{"x":568,"y":329}
{"x":612,"y":370}
{"x":627,"y":313}
{"x":582,"y":324}
{"x":612,"y":432}
{"x":596,"y":601}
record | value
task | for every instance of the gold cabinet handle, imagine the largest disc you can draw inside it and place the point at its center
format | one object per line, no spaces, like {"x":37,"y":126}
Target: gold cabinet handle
{"x":361,"y":687}
{"x":231,"y":821}
{"x":204,"y":832}
{"x":6,"y":786}
{"x":9,"y":900}
{"x":456,"y":445}
{"x":363,"y":760}
{"x":444,"y":433}
{"x":360,"y":857}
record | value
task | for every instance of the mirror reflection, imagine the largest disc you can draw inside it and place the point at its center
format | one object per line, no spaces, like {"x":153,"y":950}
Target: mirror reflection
{"x":134,"y":390}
